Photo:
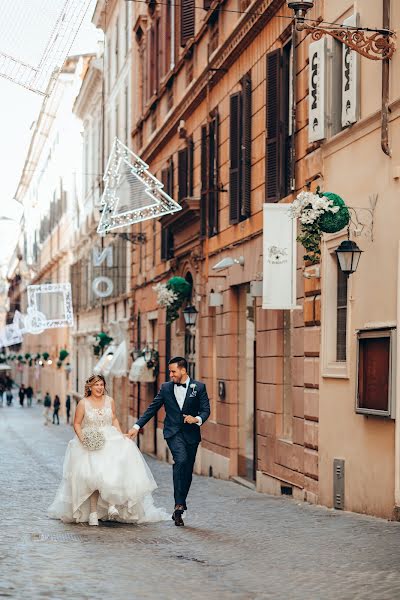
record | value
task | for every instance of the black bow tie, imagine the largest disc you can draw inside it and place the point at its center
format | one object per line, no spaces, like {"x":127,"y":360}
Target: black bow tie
{"x":181,"y":385}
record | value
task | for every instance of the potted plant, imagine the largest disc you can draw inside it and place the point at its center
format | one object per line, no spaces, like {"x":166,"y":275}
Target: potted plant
{"x":172,"y":295}
{"x":318,"y":213}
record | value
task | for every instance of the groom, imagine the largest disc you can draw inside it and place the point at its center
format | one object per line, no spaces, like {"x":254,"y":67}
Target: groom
{"x":186,"y":408}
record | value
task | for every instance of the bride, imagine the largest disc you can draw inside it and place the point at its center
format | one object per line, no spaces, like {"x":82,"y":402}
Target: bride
{"x":111,"y":482}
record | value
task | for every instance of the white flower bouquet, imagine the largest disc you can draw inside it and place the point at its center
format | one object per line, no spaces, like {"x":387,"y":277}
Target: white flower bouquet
{"x":318,"y":213}
{"x":165,"y":296}
{"x":93,"y":439}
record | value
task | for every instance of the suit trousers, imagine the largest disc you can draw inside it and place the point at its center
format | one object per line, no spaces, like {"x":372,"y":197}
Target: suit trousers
{"x":184,"y":456}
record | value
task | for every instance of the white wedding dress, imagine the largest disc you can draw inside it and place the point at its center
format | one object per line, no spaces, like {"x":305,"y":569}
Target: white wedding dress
{"x":118,"y":471}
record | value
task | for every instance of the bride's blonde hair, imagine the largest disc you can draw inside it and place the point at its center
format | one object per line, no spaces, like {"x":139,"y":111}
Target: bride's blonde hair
{"x":91,"y":381}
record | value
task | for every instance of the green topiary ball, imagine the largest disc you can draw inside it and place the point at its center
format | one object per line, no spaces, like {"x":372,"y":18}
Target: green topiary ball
{"x":333,"y":222}
{"x":180,"y":286}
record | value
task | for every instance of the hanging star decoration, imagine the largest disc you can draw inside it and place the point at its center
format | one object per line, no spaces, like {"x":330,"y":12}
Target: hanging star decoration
{"x":131,"y":194}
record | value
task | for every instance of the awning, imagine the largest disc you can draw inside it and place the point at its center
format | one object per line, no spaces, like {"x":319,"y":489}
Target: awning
{"x":140,"y":373}
{"x":5,"y":367}
{"x":114,"y":361}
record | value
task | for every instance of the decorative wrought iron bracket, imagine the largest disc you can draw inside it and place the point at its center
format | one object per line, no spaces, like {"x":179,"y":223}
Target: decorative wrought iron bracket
{"x":362,"y":219}
{"x":379,"y":45}
{"x":133,"y":238}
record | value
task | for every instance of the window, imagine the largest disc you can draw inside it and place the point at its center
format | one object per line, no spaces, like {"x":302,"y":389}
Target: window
{"x":167,"y":238}
{"x":166,"y":38}
{"x":187,"y":21}
{"x":278,"y":141}
{"x":209,"y":177}
{"x":185,"y":171}
{"x":374,"y":394}
{"x":341,"y":315}
{"x":240,"y":153}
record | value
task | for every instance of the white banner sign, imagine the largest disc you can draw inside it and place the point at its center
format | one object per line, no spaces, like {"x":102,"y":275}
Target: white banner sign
{"x":317,"y":90}
{"x":279,"y":258}
{"x":350,"y":80}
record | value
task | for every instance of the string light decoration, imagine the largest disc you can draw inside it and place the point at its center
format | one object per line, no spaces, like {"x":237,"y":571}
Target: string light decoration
{"x":35,"y":39}
{"x":54,"y":301}
{"x":131,"y":194}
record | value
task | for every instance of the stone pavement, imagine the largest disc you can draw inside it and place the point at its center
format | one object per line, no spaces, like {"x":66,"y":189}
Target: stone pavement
{"x":237,"y":544}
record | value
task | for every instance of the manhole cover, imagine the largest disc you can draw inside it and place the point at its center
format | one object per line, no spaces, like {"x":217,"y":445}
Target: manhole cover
{"x":54,"y":537}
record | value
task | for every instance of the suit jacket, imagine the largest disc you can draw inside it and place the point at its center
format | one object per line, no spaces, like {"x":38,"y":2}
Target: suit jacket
{"x":196,"y":404}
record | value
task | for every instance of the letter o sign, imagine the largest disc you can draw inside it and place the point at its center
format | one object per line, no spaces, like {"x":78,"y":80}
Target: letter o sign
{"x":99,"y":289}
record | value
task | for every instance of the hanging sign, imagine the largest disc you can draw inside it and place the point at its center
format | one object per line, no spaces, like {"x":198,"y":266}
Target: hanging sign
{"x":350,"y":80}
{"x":279,"y":258}
{"x":317,"y":92}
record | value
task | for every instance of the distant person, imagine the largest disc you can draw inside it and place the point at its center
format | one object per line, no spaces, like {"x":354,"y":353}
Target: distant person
{"x":2,"y":390}
{"x":21,"y":394}
{"x":56,"y":408}
{"x":47,"y":407}
{"x":68,"y":407}
{"x":29,"y":395}
{"x":9,"y":396}
{"x":39,"y":397}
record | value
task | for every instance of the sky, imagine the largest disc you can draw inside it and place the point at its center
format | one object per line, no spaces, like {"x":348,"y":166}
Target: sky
{"x":19,"y":108}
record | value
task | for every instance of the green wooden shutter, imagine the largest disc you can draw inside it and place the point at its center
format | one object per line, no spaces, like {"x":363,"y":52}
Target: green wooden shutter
{"x":273,"y":127}
{"x":245,"y":208}
{"x":235,"y":135}
{"x":204,"y":186}
{"x":187,"y":20}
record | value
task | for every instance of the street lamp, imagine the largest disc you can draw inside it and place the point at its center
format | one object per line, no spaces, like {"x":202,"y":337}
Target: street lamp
{"x":147,"y":353}
{"x":348,"y":254}
{"x":190,"y":315}
{"x":376,"y":44}
{"x":300,"y":8}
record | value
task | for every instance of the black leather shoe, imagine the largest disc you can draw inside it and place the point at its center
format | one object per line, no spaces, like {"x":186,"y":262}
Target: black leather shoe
{"x":177,"y":517}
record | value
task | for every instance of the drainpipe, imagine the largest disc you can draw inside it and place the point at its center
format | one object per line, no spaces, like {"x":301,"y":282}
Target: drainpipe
{"x":397,"y":396}
{"x":385,"y":87}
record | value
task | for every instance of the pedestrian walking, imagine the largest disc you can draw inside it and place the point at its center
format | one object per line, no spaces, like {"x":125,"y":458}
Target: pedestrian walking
{"x":9,"y":396}
{"x":68,"y":406}
{"x":47,"y":407}
{"x":2,"y":390}
{"x":29,"y":395}
{"x":56,"y":408}
{"x":187,"y":407}
{"x":21,"y":394}
{"x":39,"y":397}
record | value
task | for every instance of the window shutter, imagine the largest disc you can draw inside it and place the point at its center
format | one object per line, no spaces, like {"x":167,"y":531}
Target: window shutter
{"x":190,"y":153}
{"x":235,"y":155}
{"x":246,"y":147}
{"x":170,"y":178}
{"x":182,"y":174}
{"x":273,"y":127}
{"x":203,"y":174}
{"x":187,"y":21}
{"x":213,"y":177}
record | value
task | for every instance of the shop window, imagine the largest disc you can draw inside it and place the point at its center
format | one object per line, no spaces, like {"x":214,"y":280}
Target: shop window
{"x":375,"y":357}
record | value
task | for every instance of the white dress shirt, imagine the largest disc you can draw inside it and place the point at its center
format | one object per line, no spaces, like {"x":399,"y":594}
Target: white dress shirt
{"x":180,"y":395}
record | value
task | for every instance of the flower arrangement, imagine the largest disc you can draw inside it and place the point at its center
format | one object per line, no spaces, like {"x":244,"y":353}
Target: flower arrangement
{"x":171,"y":295}
{"x":318,"y":213}
{"x":103,"y":340}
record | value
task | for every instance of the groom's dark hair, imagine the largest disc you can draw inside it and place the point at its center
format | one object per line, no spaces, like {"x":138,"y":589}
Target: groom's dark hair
{"x":180,"y":361}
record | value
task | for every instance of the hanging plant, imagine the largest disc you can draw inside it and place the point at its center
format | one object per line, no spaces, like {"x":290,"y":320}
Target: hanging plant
{"x":63,"y":355}
{"x":59,"y":364}
{"x":38,"y":356}
{"x":30,"y":362}
{"x":46,"y":356}
{"x":27,"y":356}
{"x":318,"y":213}
{"x":172,"y":295}
{"x":103,"y":340}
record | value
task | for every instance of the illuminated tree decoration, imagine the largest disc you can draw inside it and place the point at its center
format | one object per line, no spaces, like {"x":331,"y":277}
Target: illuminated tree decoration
{"x":131,"y":194}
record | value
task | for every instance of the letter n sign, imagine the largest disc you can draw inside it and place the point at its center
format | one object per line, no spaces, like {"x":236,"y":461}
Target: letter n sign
{"x":102,"y":286}
{"x":350,"y":80}
{"x":317,"y":91}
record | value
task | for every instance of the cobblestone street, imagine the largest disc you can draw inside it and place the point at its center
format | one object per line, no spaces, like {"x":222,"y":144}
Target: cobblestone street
{"x":236,"y":543}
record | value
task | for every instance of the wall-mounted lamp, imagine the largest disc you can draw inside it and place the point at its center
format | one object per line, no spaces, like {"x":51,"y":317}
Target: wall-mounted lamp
{"x":190,"y":315}
{"x":147,"y":353}
{"x":348,"y":254}
{"x":225,"y":263}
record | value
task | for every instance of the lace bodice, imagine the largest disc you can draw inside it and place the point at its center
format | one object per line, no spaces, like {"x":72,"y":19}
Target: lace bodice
{"x":98,"y":417}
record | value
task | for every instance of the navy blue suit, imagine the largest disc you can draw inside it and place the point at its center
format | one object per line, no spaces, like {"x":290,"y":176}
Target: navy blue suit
{"x":182,"y":439}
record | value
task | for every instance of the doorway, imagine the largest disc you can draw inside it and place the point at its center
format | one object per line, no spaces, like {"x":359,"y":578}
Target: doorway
{"x":247,"y":384}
